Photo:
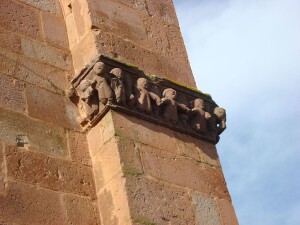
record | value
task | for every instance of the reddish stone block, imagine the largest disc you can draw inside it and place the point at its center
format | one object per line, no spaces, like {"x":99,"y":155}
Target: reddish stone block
{"x":2,"y":169}
{"x":56,"y":174}
{"x":20,"y":18}
{"x":227,"y":213}
{"x":46,"y":54}
{"x":71,"y":30}
{"x":80,"y":210}
{"x":184,"y":172}
{"x":51,"y":6}
{"x":164,"y":10}
{"x":79,"y":149}
{"x":43,"y":137}
{"x":205,"y":210}
{"x":41,"y":75}
{"x":82,"y":16}
{"x":10,"y":41}
{"x":154,"y":202}
{"x":50,"y":107}
{"x":25,"y":204}
{"x":12,"y":94}
{"x":8,"y":62}
{"x":55,"y":30}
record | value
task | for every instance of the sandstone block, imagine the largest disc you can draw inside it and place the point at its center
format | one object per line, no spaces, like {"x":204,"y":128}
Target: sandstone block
{"x":197,"y":149}
{"x":80,"y":210}
{"x":206,"y":210}
{"x":164,"y":10}
{"x":47,"y":54}
{"x":41,"y":75}
{"x":227,"y":213}
{"x":113,"y":203}
{"x":42,"y":137}
{"x":55,"y":30}
{"x":10,"y":41}
{"x":184,"y":172}
{"x":79,"y":149}
{"x":50,"y":107}
{"x":51,"y":6}
{"x":52,"y":173}
{"x":8,"y":62}
{"x":71,"y":31}
{"x":154,"y":202}
{"x":82,"y":16}
{"x":136,"y":4}
{"x":2,"y":170}
{"x":12,"y":94}
{"x":20,"y":19}
{"x":25,"y":204}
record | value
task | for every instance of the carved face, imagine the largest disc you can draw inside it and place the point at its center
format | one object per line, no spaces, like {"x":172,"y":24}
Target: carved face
{"x":169,"y":93}
{"x":142,"y":83}
{"x":220,"y":112}
{"x":117,"y":72}
{"x":98,"y":68}
{"x":199,"y":103}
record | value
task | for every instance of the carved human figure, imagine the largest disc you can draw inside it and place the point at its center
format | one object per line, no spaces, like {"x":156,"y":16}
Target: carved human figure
{"x":118,"y":86}
{"x":199,"y":117}
{"x":219,"y":120}
{"x":87,"y":95}
{"x":145,"y":98}
{"x":170,"y":108}
{"x":101,"y":83}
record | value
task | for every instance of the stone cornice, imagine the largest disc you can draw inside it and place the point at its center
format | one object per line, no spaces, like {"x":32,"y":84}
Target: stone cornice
{"x":107,"y":84}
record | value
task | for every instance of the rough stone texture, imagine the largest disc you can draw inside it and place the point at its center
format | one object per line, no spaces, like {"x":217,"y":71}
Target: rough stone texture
{"x":49,"y":172}
{"x":8,"y":62}
{"x":42,"y":136}
{"x":20,"y":19}
{"x":113,"y":203}
{"x":80,"y":210}
{"x":51,"y":6}
{"x":184,"y":172}
{"x":12,"y":94}
{"x":55,"y":30}
{"x":227,"y":213}
{"x":26,"y":204}
{"x":206,"y":210}
{"x":79,"y":149}
{"x":50,"y":107}
{"x":154,"y":202}
{"x":2,"y":170}
{"x":10,"y":41}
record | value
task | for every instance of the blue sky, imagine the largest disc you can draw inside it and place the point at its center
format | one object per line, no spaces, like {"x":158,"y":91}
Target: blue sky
{"x":246,"y":54}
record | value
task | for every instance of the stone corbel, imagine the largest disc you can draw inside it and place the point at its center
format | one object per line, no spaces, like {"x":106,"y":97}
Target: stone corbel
{"x":107,"y":84}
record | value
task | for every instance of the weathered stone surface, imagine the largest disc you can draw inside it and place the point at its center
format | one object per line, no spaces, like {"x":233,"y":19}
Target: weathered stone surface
{"x":10,"y":41}
{"x":47,"y":54}
{"x":197,"y":149}
{"x":79,"y":149}
{"x":42,"y":137}
{"x":184,"y":172}
{"x":25,"y":204}
{"x":82,"y":17}
{"x":205,"y":210}
{"x":51,"y":6}
{"x":158,"y":203}
{"x":71,"y":30}
{"x":55,"y":30}
{"x":12,"y":94}
{"x":50,"y":107}
{"x":80,"y":210}
{"x":227,"y":213}
{"x":2,"y":169}
{"x":113,"y":203}
{"x":20,"y":18}
{"x":163,"y":10}
{"x":56,"y":174}
{"x":8,"y":62}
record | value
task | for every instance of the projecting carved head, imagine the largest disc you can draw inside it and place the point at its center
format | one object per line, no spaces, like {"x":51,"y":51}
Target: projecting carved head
{"x":169,"y":93}
{"x":99,"y":68}
{"x":220,"y":113}
{"x":142,"y":83}
{"x":117,"y":72}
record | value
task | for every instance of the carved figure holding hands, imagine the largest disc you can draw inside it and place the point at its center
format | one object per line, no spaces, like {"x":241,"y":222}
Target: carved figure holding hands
{"x":199,"y":116}
{"x":118,"y":86}
{"x":170,"y":107}
{"x":145,"y":98}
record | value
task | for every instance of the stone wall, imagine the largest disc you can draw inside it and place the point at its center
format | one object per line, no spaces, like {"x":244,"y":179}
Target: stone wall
{"x":123,"y":170}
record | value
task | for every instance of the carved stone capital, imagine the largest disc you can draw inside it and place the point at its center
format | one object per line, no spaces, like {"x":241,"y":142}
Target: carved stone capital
{"x":107,"y":85}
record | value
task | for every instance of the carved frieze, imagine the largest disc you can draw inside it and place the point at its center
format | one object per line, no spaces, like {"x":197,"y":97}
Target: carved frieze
{"x":110,"y":85}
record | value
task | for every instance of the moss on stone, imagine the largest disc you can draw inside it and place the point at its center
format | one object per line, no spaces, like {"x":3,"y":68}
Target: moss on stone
{"x":131,"y":171}
{"x":141,"y":220}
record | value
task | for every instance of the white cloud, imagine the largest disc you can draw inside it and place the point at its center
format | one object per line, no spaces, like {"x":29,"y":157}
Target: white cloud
{"x":246,"y":54}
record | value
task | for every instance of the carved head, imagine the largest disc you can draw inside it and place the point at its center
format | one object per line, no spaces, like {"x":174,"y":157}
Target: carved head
{"x":199,"y":103}
{"x":117,"y":72}
{"x":142,"y":83}
{"x":98,"y":68}
{"x":220,"y":113}
{"x":169,"y":93}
